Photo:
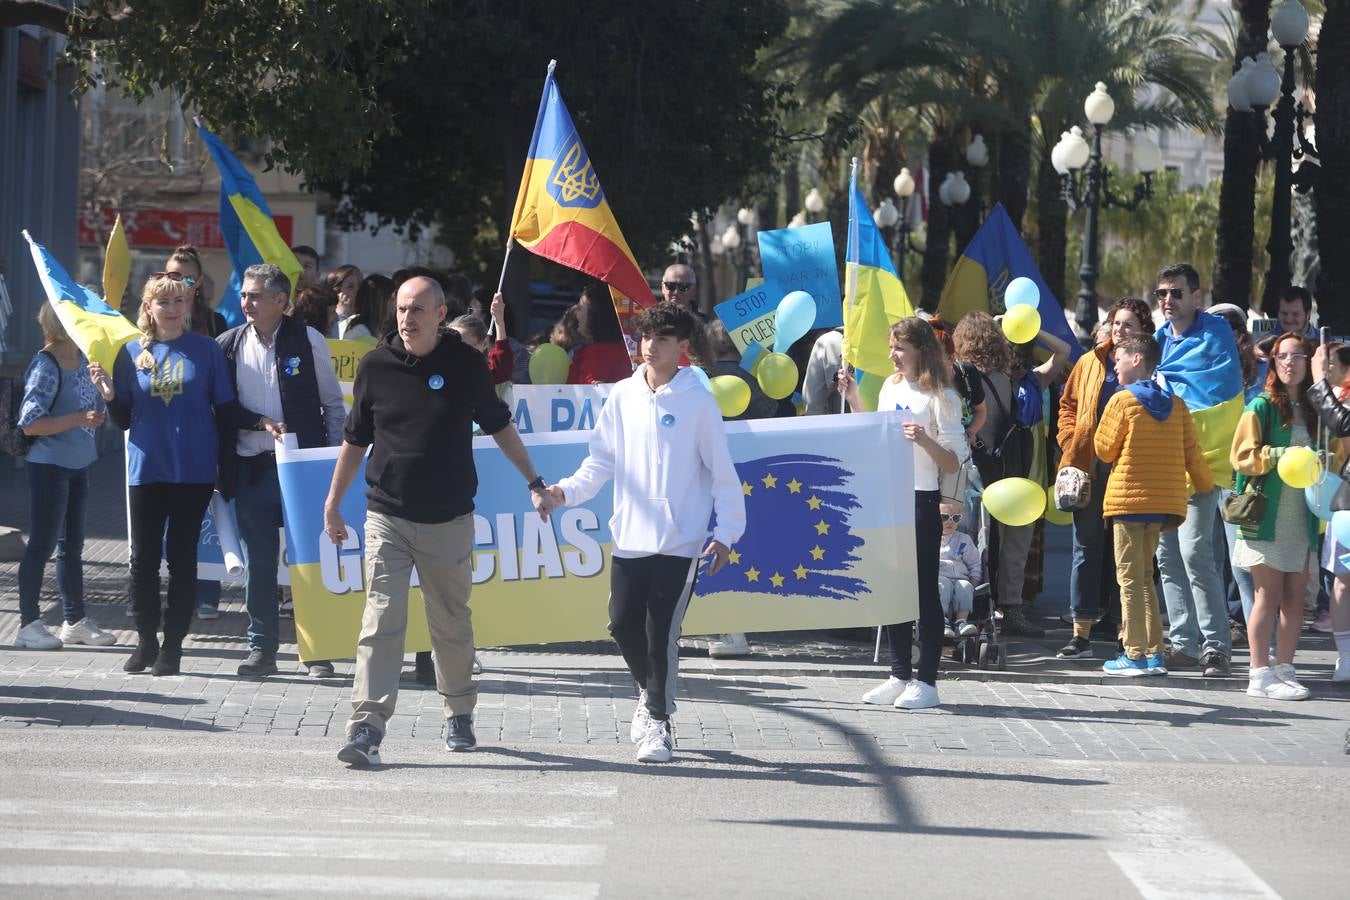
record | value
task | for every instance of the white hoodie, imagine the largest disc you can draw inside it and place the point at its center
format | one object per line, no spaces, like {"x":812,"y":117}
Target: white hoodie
{"x":667,"y":453}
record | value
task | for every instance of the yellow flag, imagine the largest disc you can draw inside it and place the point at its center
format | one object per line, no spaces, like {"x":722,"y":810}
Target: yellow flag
{"x":116,"y":266}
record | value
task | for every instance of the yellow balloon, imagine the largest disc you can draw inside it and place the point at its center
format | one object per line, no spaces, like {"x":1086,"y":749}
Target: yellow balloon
{"x":777,"y":375}
{"x":732,"y":395}
{"x":1015,"y":501}
{"x":1021,"y":324}
{"x":549,"y":364}
{"x":1298,"y":467}
{"x":1053,"y":514}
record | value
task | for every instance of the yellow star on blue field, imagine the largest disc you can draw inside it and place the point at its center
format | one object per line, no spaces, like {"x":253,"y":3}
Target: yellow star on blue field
{"x":746,"y":489}
{"x":822,"y":527}
{"x":813,"y":501}
{"x":769,"y":481}
{"x":800,"y":572}
{"x":776,"y":579}
{"x":817,"y":553}
{"x":734,"y":557}
{"x":795,"y":486}
{"x":752,"y":574}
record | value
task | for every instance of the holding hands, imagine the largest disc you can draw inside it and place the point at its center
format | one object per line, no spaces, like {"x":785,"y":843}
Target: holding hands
{"x":547,"y":499}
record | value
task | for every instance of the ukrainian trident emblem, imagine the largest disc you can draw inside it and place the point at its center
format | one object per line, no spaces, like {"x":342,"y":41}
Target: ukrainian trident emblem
{"x":574,"y":182}
{"x":166,"y":381}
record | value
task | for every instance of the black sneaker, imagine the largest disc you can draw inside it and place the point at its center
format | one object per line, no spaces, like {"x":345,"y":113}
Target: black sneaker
{"x":1216,"y":665}
{"x":363,"y":749}
{"x":259,"y":664}
{"x":1015,"y":623}
{"x":425,"y":669}
{"x":1076,"y":648}
{"x":459,"y":734}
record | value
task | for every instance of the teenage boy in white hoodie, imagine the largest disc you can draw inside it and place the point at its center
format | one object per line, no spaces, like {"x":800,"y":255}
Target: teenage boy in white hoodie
{"x":660,"y":437}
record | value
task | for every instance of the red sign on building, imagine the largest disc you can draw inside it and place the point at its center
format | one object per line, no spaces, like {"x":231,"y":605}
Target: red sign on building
{"x":165,"y":228}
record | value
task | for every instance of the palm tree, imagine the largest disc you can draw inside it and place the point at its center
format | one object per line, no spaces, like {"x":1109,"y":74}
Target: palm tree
{"x":1021,"y":68}
{"x":1242,"y":139}
{"x":1332,"y":194}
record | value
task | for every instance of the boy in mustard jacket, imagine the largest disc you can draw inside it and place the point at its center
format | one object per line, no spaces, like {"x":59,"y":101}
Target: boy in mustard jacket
{"x":1147,"y":492}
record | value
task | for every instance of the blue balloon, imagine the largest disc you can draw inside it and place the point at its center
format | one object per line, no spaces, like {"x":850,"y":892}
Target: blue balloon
{"x":796,"y":314}
{"x":1319,"y":495}
{"x":702,"y":376}
{"x":1022,"y":292}
{"x":1340,"y":527}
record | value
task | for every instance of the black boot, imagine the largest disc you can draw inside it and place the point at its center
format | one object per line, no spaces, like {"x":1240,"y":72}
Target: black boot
{"x":144,"y":656}
{"x":425,"y":668}
{"x":170,"y":656}
{"x":1015,"y":623}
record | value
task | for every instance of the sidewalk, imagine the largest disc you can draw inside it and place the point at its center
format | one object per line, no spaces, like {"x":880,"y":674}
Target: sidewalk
{"x":786,"y":654}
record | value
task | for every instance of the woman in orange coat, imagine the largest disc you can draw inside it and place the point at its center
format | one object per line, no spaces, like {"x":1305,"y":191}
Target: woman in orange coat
{"x":1093,"y":591}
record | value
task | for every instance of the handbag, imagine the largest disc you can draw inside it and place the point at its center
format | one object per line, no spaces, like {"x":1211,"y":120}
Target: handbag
{"x":1247,"y":509}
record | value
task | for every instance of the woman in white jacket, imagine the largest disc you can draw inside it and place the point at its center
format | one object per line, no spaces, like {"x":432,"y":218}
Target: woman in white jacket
{"x":921,"y":387}
{"x":660,"y":437}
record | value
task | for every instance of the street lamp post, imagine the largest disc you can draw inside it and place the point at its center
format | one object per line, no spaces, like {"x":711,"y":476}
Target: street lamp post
{"x":736,"y":244}
{"x":1289,"y":27}
{"x":1073,"y":154}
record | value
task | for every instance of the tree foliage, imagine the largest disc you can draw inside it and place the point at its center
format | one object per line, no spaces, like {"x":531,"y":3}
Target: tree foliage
{"x":420,"y":112}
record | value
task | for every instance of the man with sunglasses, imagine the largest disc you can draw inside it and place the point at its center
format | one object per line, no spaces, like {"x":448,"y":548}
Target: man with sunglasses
{"x":1200,"y":365}
{"x":679,"y":285}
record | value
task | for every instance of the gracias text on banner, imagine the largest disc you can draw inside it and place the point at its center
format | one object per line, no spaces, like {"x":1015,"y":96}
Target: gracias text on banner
{"x":829,"y":541}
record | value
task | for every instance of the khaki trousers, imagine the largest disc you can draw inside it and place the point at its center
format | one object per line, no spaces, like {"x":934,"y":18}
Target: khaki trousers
{"x":1141,"y":620}
{"x":442,"y":554}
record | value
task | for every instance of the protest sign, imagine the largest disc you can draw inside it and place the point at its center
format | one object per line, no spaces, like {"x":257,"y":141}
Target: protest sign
{"x":802,"y":259}
{"x":829,"y":541}
{"x":749,"y":317}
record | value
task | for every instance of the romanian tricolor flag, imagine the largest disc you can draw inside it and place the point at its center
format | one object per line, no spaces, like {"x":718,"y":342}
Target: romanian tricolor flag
{"x":1203,"y":368}
{"x":561,"y":213}
{"x":246,"y":226}
{"x":874,"y":297}
{"x":95,"y":327}
{"x":994,"y":257}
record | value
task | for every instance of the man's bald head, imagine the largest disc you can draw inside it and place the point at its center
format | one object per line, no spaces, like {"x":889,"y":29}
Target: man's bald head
{"x":422,"y":286}
{"x":677,"y":284}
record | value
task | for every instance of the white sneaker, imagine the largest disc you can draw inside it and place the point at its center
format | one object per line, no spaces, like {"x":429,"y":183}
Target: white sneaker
{"x":949,"y":631}
{"x":642,"y":720}
{"x":1342,"y":672}
{"x":86,"y":631}
{"x":658,"y":744}
{"x":1263,"y":682}
{"x":207,"y":613}
{"x":918,"y":695}
{"x":477,"y":667}
{"x":1285,"y":672}
{"x":885,"y":693}
{"x":729,"y":645}
{"x":965,"y":627}
{"x":35,"y":636}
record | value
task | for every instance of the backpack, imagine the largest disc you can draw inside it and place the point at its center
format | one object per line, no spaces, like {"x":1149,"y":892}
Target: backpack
{"x":12,"y":439}
{"x":1011,"y":455}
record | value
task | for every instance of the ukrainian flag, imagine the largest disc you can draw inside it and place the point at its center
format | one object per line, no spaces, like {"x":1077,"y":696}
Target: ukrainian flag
{"x":116,"y":266}
{"x":874,"y":297}
{"x":994,"y":257}
{"x":95,"y":327}
{"x":246,"y":226}
{"x":1203,"y":368}
{"x":561,"y":213}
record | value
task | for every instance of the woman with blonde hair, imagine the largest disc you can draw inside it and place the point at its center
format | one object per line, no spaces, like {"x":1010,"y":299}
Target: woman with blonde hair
{"x":60,"y":411}
{"x":171,"y":390}
{"x":922,"y":385}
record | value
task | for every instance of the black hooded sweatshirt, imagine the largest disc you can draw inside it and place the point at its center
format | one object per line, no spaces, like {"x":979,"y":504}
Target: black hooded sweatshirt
{"x":419,"y":413}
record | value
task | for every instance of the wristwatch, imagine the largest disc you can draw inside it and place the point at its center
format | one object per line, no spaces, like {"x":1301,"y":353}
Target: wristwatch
{"x":538,"y":485}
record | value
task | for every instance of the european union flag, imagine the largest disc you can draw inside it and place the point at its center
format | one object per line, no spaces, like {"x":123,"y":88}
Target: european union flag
{"x":797,"y":539}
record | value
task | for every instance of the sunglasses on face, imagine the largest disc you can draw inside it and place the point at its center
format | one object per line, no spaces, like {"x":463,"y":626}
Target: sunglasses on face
{"x":677,"y":287}
{"x":950,"y":517}
{"x":1290,"y":357}
{"x":1174,"y":293}
{"x":176,"y":276}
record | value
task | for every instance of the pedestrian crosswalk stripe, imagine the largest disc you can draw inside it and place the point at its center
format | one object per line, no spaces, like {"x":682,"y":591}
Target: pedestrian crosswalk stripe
{"x":240,"y":883}
{"x":308,"y":847}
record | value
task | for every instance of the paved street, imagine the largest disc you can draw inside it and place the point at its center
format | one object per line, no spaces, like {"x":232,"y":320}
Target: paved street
{"x":1044,"y":779}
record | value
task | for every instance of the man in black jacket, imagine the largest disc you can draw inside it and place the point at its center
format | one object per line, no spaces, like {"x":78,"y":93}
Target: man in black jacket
{"x":416,"y":399}
{"x":282,"y":369}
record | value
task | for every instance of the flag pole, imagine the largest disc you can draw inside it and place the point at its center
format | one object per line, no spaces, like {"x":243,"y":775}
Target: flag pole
{"x":851,"y":288}
{"x":510,"y":238}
